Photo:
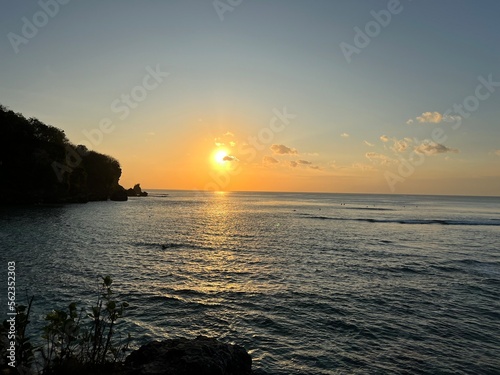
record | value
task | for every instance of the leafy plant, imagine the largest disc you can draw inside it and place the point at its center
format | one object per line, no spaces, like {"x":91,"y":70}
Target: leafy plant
{"x":104,"y":317}
{"x":74,"y":342}
{"x":24,"y":351}
{"x":80,"y":342}
{"x":61,"y":336}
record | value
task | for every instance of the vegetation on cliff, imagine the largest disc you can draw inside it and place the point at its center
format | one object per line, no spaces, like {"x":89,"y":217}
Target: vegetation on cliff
{"x":38,"y":164}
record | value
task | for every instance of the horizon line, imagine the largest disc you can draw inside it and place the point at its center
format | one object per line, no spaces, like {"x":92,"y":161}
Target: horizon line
{"x":323,"y":192}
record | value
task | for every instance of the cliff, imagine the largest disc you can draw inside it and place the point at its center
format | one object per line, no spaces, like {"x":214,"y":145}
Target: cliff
{"x":38,"y":164}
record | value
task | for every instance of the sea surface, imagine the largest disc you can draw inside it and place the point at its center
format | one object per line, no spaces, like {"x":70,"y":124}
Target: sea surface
{"x":307,"y":283}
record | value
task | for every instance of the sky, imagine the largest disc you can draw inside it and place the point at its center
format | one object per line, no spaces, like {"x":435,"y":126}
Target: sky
{"x":280,"y":95}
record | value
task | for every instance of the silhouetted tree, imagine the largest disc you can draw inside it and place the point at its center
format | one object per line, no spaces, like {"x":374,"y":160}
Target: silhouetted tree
{"x":38,"y":164}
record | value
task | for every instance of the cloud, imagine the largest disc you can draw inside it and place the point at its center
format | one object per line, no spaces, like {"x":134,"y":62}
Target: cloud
{"x":283,"y":150}
{"x":230,"y":158}
{"x":430,"y":117}
{"x":377,"y":158}
{"x":451,"y":118}
{"x":225,"y":140}
{"x":364,"y":167}
{"x":384,"y":138}
{"x":434,"y":118}
{"x":305,"y":162}
{"x":428,"y":147}
{"x":497,"y":152}
{"x":401,"y":145}
{"x":369,"y":144}
{"x":269,"y":160}
{"x":344,"y":135}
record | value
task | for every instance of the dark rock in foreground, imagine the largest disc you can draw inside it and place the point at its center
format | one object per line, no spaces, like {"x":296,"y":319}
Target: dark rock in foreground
{"x":201,"y":356}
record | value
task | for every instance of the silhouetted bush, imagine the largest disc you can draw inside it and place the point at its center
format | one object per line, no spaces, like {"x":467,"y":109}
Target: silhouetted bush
{"x":73,"y":342}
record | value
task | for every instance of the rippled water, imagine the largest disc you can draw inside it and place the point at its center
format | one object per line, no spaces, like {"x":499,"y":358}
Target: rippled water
{"x":308,"y":283}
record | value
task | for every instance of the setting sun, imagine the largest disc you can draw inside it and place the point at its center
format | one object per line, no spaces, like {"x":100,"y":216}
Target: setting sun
{"x":219,"y":155}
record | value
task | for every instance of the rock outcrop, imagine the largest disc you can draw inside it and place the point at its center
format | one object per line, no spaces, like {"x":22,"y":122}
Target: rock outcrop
{"x":119,"y":194}
{"x":136,"y":191}
{"x":200,"y":356}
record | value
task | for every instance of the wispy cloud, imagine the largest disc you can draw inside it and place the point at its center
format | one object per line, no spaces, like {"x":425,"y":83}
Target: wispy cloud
{"x":283,"y":150}
{"x":434,"y":118}
{"x":497,"y":152}
{"x":430,"y":117}
{"x":230,"y":158}
{"x":269,"y":160}
{"x":401,"y":145}
{"x":227,"y":139}
{"x":429,"y":147}
{"x":377,"y":158}
{"x":451,"y":118}
{"x":384,"y":138}
{"x":304,"y":162}
{"x":364,"y":167}
{"x":369,"y":144}
{"x":344,"y":135}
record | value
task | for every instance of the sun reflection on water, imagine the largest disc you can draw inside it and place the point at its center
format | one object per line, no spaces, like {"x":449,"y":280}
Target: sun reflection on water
{"x":219,"y":263}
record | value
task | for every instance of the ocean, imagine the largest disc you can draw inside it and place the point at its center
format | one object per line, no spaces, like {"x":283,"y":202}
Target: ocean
{"x":307,"y":283}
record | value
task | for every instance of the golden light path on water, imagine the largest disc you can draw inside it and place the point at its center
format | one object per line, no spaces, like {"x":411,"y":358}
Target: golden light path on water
{"x":220,"y":269}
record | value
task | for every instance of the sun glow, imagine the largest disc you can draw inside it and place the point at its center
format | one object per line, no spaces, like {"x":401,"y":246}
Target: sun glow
{"x":218,"y":157}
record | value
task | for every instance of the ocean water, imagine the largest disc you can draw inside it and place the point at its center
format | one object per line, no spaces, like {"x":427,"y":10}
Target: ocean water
{"x":307,"y":283}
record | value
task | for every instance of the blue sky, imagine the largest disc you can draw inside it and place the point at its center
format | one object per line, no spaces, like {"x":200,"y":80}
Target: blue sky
{"x":228,"y":75}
